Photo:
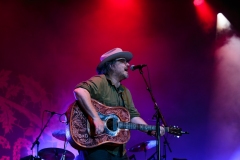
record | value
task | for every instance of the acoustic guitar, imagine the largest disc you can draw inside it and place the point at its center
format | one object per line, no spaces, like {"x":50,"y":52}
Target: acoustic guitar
{"x":80,"y":130}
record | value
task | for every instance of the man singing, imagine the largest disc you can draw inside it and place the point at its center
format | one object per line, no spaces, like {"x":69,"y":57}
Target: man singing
{"x":106,"y":88}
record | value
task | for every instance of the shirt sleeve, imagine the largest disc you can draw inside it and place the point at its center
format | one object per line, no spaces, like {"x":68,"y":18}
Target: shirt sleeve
{"x":92,"y":85}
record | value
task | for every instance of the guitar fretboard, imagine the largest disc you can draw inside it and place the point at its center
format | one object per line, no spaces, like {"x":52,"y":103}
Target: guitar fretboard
{"x":141,"y":127}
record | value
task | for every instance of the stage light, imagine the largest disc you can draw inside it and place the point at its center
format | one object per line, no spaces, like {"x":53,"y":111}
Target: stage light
{"x":222,"y":23}
{"x":198,"y":2}
{"x":206,"y":15}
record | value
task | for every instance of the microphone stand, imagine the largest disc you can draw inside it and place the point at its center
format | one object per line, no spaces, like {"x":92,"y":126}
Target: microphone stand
{"x":164,"y":148}
{"x":157,"y":115}
{"x":152,"y":157}
{"x":36,"y":142}
{"x":64,"y":151}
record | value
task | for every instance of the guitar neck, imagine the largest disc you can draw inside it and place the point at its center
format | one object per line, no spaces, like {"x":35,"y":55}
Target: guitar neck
{"x":141,"y":127}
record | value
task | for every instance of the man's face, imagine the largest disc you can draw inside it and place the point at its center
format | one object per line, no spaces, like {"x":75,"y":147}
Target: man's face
{"x":120,"y":68}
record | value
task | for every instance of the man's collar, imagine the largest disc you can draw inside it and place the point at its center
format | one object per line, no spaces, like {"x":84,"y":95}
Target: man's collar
{"x":120,"y":88}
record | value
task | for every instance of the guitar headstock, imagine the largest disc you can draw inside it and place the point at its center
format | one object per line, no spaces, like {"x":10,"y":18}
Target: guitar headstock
{"x":175,"y":130}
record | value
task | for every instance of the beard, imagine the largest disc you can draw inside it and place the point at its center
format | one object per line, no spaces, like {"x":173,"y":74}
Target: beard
{"x":124,"y":75}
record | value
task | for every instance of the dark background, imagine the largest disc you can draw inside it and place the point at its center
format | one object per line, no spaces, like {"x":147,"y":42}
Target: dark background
{"x":47,"y":47}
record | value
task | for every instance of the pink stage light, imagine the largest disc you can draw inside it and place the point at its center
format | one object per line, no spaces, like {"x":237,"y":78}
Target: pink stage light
{"x":205,"y":14}
{"x":198,"y":2}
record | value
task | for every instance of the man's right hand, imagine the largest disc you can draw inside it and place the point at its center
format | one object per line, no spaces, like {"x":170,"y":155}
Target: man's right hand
{"x":99,"y":126}
{"x":84,"y":98}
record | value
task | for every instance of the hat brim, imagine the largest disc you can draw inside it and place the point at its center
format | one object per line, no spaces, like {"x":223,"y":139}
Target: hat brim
{"x":127,"y":55}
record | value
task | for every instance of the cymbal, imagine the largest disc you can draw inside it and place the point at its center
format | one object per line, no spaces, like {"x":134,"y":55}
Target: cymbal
{"x":60,"y":134}
{"x":55,"y":154}
{"x":143,"y":146}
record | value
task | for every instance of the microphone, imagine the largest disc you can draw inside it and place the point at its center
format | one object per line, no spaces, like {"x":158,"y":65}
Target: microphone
{"x":52,"y":112}
{"x":134,"y":67}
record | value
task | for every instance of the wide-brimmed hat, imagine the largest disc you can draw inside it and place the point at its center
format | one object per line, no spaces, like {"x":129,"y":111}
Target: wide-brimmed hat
{"x":114,"y":54}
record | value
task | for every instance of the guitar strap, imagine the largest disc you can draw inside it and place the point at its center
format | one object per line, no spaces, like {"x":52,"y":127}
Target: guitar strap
{"x":120,"y":153}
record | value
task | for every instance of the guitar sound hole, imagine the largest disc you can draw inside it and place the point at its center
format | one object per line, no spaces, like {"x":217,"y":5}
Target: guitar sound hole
{"x":112,"y":124}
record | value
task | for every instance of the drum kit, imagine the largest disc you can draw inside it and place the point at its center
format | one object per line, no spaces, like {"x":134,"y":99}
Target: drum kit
{"x":63,"y":154}
{"x":53,"y":153}
{"x":143,"y":147}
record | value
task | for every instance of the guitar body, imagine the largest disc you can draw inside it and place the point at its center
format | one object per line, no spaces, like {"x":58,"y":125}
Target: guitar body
{"x":80,"y":130}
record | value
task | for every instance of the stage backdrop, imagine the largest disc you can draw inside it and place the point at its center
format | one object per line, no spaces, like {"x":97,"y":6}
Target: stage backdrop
{"x":48,"y":47}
